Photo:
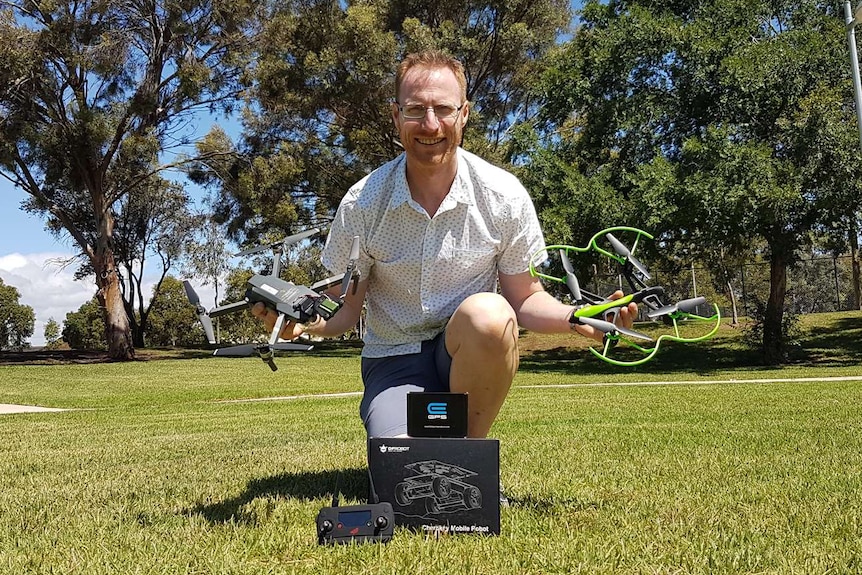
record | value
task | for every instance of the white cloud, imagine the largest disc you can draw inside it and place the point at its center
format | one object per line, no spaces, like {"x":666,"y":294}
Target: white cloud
{"x":51,"y":290}
{"x":45,"y":286}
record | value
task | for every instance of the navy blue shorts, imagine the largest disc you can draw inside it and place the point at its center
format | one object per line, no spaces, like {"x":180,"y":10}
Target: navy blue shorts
{"x":388,"y":380}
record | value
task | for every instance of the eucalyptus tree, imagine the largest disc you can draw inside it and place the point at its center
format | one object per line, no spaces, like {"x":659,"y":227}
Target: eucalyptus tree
{"x":96,"y":97}
{"x":319,"y":118}
{"x":154,"y":223}
{"x":715,"y":123}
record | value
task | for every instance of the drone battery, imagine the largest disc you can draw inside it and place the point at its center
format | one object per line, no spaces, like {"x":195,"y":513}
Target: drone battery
{"x":436,"y":414}
{"x":438,"y":485}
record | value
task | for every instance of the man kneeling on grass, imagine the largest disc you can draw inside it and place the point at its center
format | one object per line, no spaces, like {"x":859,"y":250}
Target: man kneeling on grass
{"x":439,"y":227}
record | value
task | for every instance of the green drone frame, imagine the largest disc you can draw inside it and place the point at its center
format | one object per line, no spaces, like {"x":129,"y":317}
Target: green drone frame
{"x":590,"y":307}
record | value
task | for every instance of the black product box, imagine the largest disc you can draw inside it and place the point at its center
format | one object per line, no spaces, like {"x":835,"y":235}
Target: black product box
{"x":436,"y":414}
{"x":449,"y":485}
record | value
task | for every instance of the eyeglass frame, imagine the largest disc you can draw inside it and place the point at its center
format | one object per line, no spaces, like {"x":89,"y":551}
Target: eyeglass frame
{"x":451,"y":116}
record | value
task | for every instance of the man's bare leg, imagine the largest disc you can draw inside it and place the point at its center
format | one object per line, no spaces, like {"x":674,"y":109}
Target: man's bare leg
{"x":482,"y":339}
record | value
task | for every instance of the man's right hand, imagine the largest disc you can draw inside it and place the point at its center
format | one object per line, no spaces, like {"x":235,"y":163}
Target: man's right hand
{"x":289,"y":331}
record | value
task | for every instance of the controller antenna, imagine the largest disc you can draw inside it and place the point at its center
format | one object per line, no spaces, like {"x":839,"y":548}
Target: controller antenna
{"x":337,"y":490}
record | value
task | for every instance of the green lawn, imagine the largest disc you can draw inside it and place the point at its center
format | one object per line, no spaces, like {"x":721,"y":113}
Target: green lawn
{"x":155,"y":470}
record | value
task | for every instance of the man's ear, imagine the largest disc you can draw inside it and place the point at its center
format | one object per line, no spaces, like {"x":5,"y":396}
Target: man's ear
{"x":395,"y":112}
{"x":465,"y":113}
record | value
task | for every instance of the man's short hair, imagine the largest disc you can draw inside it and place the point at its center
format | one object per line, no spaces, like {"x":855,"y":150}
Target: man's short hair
{"x":431,"y":59}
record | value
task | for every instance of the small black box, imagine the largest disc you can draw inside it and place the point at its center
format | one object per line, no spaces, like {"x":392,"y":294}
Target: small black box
{"x":446,"y":485}
{"x":431,"y":414}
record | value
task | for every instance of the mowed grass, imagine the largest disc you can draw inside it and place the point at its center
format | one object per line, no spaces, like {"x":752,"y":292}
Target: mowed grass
{"x":157,"y":469}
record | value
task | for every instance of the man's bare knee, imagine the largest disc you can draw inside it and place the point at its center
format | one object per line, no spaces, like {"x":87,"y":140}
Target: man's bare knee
{"x":484,"y":319}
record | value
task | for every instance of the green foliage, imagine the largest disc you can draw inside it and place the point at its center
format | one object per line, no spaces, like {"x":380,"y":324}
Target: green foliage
{"x":93,"y":95}
{"x":52,"y":334}
{"x":753,"y":334}
{"x":207,"y":256}
{"x":321,"y":115}
{"x":155,"y":224}
{"x":172,"y":320}
{"x":240,"y":327}
{"x":16,"y":319}
{"x":85,"y":328}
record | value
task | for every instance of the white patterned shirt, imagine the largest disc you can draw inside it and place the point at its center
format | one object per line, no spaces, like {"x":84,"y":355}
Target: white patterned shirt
{"x":420,"y":268}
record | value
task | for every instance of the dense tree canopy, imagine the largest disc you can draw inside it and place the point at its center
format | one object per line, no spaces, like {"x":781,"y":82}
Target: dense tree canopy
{"x":713,"y":124}
{"x":85,"y":328}
{"x":319,"y":115}
{"x":172,"y":320}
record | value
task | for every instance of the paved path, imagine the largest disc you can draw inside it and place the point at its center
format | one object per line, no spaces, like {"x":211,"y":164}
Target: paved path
{"x":6,"y":408}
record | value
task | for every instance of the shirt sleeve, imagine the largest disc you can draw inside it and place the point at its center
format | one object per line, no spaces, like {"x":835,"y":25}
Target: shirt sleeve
{"x":347,"y":224}
{"x":527,"y":241}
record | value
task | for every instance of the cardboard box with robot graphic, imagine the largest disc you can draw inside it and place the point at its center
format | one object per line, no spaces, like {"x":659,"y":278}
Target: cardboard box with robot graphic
{"x":449,"y":485}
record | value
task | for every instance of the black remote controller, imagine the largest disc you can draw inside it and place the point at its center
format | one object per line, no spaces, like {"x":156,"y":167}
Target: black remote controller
{"x":372,"y":523}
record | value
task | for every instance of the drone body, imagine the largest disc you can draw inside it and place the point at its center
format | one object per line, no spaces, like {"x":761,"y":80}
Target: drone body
{"x":297,"y":302}
{"x":292,"y":302}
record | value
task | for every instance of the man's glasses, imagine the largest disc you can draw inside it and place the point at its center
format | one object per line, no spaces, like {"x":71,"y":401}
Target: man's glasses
{"x":417,"y":112}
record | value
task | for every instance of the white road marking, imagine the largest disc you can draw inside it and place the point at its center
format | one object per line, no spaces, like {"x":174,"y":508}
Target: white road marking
{"x":701,"y":382}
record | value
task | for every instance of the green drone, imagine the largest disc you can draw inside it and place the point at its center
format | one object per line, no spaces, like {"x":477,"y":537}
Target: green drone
{"x":599,"y":312}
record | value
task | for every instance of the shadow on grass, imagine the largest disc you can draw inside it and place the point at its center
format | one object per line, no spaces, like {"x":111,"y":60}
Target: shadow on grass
{"x":836,"y":342}
{"x":839,"y":343}
{"x":704,"y":358}
{"x":551,"y":505}
{"x":352,"y":485}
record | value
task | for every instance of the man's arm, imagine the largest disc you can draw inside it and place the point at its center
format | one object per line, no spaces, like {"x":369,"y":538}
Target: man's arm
{"x":343,"y":320}
{"x":539,"y":311}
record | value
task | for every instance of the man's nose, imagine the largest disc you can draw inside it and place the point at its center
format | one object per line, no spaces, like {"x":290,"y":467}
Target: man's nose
{"x":431,"y":117}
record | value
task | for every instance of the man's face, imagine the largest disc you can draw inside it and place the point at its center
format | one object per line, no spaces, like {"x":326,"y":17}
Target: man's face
{"x":430,"y":141}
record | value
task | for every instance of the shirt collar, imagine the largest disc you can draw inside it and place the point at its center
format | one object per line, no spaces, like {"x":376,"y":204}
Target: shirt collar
{"x":460,"y":192}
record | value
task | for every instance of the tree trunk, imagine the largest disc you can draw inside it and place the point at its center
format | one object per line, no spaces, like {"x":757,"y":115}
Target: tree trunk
{"x":773,"y":338}
{"x":118,"y":334}
{"x":733,"y":310}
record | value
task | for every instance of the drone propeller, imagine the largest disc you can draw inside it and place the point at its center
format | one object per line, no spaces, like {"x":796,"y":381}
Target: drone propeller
{"x":626,"y":253}
{"x":571,"y":278}
{"x":250,"y":348}
{"x":264,"y":351}
{"x":351,"y":268}
{"x":684,"y":306}
{"x":607,"y":327}
{"x":284,"y":242}
{"x":203,"y":316}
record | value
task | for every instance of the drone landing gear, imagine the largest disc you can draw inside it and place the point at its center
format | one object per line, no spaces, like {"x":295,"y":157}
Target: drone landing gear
{"x":265,"y":353}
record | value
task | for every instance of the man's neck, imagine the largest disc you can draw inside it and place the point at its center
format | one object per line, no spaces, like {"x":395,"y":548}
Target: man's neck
{"x":429,"y":185}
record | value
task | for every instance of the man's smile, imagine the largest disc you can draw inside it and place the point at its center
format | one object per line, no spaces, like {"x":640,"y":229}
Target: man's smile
{"x":429,"y":141}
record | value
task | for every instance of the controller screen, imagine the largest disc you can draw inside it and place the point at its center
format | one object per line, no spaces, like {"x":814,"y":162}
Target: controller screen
{"x":354,"y":518}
